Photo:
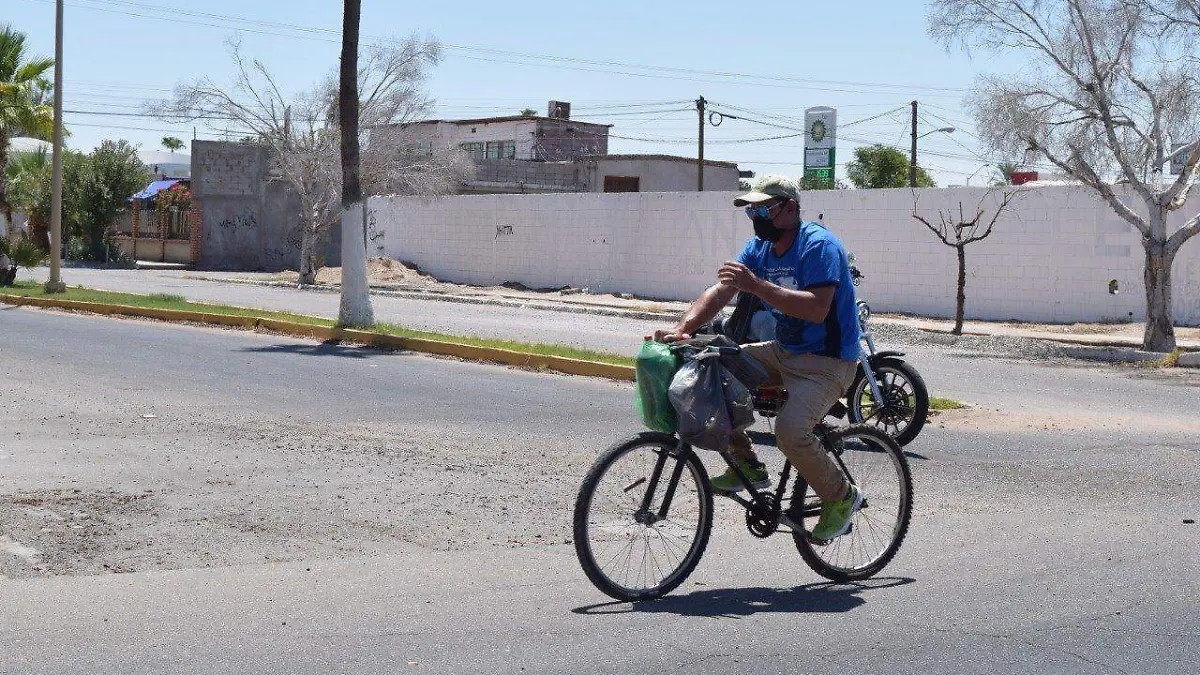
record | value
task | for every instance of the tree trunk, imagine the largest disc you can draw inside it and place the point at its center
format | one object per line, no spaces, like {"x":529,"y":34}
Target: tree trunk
{"x":1160,"y":317}
{"x":5,"y":207}
{"x":308,"y":254}
{"x":355,"y":310}
{"x":961,"y":304}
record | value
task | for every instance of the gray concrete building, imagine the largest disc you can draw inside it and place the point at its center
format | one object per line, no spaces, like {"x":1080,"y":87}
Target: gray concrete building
{"x":248,"y":221}
{"x":533,"y":154}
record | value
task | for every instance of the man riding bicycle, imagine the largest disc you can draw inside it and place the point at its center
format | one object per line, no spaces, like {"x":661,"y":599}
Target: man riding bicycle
{"x":801,"y":272}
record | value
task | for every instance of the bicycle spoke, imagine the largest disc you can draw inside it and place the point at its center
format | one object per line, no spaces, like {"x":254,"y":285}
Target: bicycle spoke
{"x":668,"y":547}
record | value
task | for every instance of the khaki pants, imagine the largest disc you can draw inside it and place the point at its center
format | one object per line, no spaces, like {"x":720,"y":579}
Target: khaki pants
{"x":813,"y":384}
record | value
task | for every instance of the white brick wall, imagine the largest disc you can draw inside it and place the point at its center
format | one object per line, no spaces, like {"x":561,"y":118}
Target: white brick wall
{"x":1049,"y":259}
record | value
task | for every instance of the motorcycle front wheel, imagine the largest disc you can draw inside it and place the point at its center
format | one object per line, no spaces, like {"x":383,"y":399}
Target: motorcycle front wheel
{"x":905,"y":405}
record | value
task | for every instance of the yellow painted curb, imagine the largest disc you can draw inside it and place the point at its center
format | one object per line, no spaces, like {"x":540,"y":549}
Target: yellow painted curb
{"x":493,"y":354}
{"x":454,"y":349}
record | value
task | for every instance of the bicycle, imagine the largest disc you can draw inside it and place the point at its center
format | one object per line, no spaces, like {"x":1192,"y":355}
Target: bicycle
{"x":651,"y":496}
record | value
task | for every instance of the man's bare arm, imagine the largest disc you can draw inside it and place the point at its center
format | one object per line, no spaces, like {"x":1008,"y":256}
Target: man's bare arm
{"x":700,"y":312}
{"x":811,"y":305}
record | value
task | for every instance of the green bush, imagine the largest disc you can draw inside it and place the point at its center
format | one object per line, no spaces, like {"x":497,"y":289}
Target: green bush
{"x":23,"y":252}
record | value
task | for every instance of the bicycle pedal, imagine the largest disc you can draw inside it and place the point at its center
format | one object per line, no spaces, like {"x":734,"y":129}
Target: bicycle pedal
{"x":784,"y":521}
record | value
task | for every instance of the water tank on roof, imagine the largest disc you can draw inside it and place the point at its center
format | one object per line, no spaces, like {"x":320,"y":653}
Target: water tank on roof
{"x":1023,"y":176}
{"x":559,"y":110}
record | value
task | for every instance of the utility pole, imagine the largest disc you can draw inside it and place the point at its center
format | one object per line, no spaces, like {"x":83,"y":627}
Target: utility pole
{"x":55,"y":284}
{"x":700,"y":155}
{"x":912,"y":158}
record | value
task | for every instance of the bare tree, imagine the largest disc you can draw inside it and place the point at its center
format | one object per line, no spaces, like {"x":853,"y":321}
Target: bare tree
{"x":1101,"y":101}
{"x":303,"y":135}
{"x":1172,"y":15}
{"x":958,"y":232}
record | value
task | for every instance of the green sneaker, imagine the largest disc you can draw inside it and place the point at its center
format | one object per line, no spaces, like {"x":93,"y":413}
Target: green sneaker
{"x":729,"y":481}
{"x":835,"y":516}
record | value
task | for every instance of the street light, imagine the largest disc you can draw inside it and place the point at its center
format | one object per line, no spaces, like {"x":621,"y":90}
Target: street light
{"x":944,"y":130}
{"x":912,"y":160}
{"x":975,"y":173}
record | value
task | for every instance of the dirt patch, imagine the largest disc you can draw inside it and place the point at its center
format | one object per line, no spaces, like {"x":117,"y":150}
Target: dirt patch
{"x":986,"y":420}
{"x":72,"y":532}
{"x":379,"y":271}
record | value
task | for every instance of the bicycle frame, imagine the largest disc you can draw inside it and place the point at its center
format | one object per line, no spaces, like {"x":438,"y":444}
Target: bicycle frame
{"x":763,"y":505}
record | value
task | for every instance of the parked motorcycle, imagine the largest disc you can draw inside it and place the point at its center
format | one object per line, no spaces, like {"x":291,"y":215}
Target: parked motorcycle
{"x":887,"y":393}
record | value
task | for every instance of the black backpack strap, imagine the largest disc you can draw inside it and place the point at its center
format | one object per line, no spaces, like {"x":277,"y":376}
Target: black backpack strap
{"x":738,"y":325}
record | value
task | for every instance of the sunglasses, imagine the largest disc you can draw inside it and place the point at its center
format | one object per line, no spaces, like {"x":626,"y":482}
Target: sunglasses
{"x":762,"y":211}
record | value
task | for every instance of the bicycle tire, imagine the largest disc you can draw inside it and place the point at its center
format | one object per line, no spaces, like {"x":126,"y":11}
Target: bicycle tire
{"x":584,"y":549}
{"x":920,"y":395}
{"x":809,"y":550}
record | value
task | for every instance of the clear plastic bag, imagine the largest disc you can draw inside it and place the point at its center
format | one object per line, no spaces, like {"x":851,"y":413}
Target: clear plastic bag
{"x":738,"y":401}
{"x":656,"y":366}
{"x":698,"y":395}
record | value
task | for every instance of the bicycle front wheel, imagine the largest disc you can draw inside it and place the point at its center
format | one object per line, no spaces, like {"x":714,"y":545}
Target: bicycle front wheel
{"x":876,"y":464}
{"x":642,"y":517}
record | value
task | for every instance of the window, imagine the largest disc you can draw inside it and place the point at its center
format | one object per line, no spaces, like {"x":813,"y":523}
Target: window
{"x":501,"y":150}
{"x":622,"y":183}
{"x":491,"y":149}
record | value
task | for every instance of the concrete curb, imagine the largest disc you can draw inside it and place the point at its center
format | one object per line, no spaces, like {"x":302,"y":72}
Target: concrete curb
{"x":463,"y":299}
{"x":468,"y":352}
{"x":1113,"y":355}
{"x":1189,"y":360}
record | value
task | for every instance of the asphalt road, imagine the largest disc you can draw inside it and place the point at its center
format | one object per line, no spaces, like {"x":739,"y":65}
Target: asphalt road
{"x":1116,"y":397}
{"x":184,"y":500}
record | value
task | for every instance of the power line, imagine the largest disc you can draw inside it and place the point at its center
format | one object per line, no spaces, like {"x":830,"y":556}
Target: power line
{"x":279,"y":29}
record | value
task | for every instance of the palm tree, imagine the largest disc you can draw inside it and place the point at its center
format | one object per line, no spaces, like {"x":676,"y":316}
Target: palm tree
{"x":22,"y":110}
{"x":355,"y":308}
{"x":27,"y":181}
{"x":1004,"y":172}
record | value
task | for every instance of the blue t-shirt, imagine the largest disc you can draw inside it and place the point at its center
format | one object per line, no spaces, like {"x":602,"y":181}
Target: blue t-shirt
{"x":814,"y":260}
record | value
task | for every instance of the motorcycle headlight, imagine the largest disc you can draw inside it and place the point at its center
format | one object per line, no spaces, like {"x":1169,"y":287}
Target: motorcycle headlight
{"x":864,"y":314}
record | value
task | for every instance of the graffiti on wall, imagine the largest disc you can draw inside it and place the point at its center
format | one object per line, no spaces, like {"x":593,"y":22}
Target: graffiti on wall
{"x":375,"y":237}
{"x":504,"y":231}
{"x":247,"y":221}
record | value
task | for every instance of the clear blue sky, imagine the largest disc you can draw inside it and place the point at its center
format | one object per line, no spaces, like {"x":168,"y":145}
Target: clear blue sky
{"x":864,"y":57}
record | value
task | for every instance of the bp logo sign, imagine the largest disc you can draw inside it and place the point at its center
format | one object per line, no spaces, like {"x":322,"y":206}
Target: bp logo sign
{"x":818,"y":131}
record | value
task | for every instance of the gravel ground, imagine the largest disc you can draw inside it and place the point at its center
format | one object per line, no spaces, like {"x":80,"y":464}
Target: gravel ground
{"x":992,"y":345}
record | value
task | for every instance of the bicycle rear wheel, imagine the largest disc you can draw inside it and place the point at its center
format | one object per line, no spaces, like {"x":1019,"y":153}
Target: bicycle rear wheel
{"x":642,"y":517}
{"x":876,"y":464}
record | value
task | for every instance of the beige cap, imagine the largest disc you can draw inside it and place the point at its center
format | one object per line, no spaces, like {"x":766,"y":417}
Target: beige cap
{"x":769,"y":187}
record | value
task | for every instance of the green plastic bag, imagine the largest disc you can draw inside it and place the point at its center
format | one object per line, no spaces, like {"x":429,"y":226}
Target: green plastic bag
{"x":656,"y":365}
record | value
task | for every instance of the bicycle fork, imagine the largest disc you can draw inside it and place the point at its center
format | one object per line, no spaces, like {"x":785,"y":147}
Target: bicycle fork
{"x":644,"y":514}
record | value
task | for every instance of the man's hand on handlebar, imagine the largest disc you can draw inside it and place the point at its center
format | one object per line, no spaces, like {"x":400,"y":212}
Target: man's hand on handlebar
{"x":668,"y":336}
